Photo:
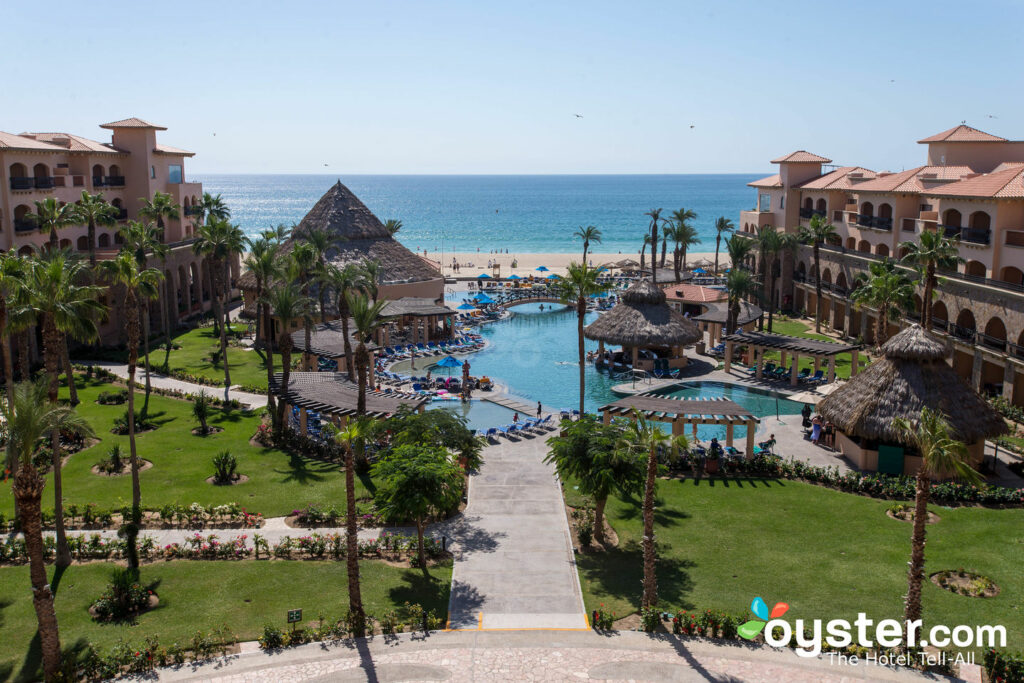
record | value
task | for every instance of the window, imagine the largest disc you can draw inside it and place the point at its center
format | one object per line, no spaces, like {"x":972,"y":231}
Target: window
{"x":782,"y":202}
{"x":764,"y":202}
{"x":152,"y":172}
{"x":174,"y":173}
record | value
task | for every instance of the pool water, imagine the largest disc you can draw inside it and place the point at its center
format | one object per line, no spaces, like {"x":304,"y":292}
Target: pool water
{"x":480,"y":414}
{"x":763,"y":404}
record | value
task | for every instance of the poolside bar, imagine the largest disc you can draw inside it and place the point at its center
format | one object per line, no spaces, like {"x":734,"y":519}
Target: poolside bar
{"x":758,"y":342}
{"x":680,"y":412}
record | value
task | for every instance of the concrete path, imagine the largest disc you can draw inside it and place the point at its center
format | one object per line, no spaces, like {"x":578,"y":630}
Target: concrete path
{"x":514,"y":563}
{"x":529,"y":656}
{"x":159,"y":381}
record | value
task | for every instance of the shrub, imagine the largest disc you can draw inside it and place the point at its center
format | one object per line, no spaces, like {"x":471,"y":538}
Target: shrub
{"x":142,"y":423}
{"x":649,"y":619}
{"x":1007,"y":667}
{"x":112,"y":398}
{"x":224,"y":465}
{"x":114,"y":463}
{"x":272,"y":638}
{"x":123,"y":597}
{"x":201,"y":410}
{"x":584,"y":520}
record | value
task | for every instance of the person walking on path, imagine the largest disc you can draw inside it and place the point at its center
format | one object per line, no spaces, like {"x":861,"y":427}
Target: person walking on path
{"x":539,"y":409}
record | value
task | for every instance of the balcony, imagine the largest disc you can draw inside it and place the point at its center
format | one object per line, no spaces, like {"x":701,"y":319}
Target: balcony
{"x":811,"y":213}
{"x":115,"y":180}
{"x":972,"y":235}
{"x":22,"y":183}
{"x":24,"y":225}
{"x":45,"y":183}
{"x":193,"y":210}
{"x":122,"y":214}
{"x":875,"y":222}
{"x":98,"y":181}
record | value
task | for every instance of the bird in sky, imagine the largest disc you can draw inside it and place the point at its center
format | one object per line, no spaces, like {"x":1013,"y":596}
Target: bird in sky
{"x":692,"y":126}
{"x":325,"y":164}
{"x":992,"y":116}
{"x":579,"y":116}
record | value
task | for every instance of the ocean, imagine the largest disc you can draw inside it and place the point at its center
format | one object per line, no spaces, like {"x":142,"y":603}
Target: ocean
{"x":524,"y":214}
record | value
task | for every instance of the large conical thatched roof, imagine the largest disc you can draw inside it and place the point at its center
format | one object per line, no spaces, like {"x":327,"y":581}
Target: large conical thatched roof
{"x":912,"y":374}
{"x":363,"y":237}
{"x":642,"y":318}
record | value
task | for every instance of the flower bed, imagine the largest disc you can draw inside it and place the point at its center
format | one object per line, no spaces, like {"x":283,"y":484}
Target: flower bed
{"x":133,"y":659}
{"x":966,"y":583}
{"x":314,"y":516}
{"x":194,"y":516}
{"x":411,"y":617}
{"x":1006,"y":667}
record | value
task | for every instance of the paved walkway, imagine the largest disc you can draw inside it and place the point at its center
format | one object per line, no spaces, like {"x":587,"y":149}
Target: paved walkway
{"x":164,"y":382}
{"x":514,"y":563}
{"x":529,"y":656}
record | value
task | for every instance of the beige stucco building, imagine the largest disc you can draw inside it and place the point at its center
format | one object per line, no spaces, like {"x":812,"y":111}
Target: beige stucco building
{"x":971,"y":186}
{"x":128,"y":170}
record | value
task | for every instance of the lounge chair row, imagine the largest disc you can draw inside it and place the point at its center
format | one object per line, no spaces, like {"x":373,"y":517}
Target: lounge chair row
{"x":530,"y":425}
{"x":770,"y":371}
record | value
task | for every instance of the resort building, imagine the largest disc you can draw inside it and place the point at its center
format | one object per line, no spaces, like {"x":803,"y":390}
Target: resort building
{"x":128,"y":170}
{"x":970,"y":186}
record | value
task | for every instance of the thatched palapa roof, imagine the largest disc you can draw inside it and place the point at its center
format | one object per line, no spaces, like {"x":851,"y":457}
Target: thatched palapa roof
{"x":913,"y":374}
{"x":363,"y":237}
{"x":642,"y":318}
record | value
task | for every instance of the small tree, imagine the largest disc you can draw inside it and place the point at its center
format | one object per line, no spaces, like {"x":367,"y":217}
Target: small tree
{"x":589,"y":454}
{"x":415,"y":481}
{"x":439,"y":428}
{"x":201,"y":410}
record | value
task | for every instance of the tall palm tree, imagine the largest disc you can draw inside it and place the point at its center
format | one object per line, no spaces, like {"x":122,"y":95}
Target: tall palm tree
{"x":31,"y":417}
{"x":670,"y":233}
{"x":213,"y":205}
{"x":160,"y":209}
{"x":52,"y":215}
{"x":303,"y":256}
{"x":353,"y":434}
{"x":288,"y":303}
{"x":234,"y":244}
{"x":578,"y":283}
{"x":681,"y":220}
{"x":739,"y":250}
{"x":589,"y":234}
{"x":93,"y":210}
{"x":393,"y":226}
{"x":12,"y":273}
{"x":262,"y":262}
{"x":932,"y":251}
{"x":321,"y":241}
{"x":278,"y":234}
{"x":143,"y":240}
{"x":773,"y":243}
{"x":643,"y":250}
{"x":740,"y":285}
{"x":213,"y":241}
{"x":346,"y":280}
{"x":723,"y":226}
{"x":367,"y":319}
{"x":140,"y":284}
{"x":645,"y":437}
{"x":656,"y":221}
{"x":941,"y":455}
{"x":373,"y":274}
{"x":886,"y":289}
{"x":61,"y":305}
{"x":817,"y":231}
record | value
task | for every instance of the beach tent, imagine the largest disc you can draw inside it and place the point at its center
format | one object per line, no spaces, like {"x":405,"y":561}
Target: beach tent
{"x":483,"y":276}
{"x":542,"y":269}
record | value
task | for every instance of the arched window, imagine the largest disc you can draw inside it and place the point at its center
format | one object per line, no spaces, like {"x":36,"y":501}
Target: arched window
{"x":974,"y":269}
{"x":40,"y":171}
{"x":18,"y":171}
{"x":951,"y":218}
{"x":83,"y":243}
{"x":882,"y":249}
{"x":965,"y":325}
{"x":21,"y":222}
{"x":826,"y":275}
{"x":65,"y":244}
{"x":103,"y":240}
{"x":808,"y":203}
{"x":867,"y":209}
{"x":26,"y":251}
{"x":841,"y":280}
{"x":939,"y":313}
{"x":1012,"y":275}
{"x":118,"y":238}
{"x":995,"y":334}
{"x":864,"y":247}
{"x":820,"y":206}
{"x":851,"y":242}
{"x":884,"y":211}
{"x":978,"y":228}
{"x":98,"y":173}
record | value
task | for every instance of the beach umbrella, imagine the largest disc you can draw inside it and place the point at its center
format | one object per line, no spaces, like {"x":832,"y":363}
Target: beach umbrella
{"x":467,"y":307}
{"x":449,"y":362}
{"x":514,"y":277}
{"x":699,"y":270}
{"x":553,"y":277}
{"x":542,"y":269}
{"x":483,"y":276}
{"x":482,"y":298}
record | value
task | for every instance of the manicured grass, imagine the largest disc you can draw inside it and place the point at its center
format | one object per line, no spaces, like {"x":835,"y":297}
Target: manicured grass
{"x":797,"y":328}
{"x":200,"y":595}
{"x":278,"y":482}
{"x":826,"y":553}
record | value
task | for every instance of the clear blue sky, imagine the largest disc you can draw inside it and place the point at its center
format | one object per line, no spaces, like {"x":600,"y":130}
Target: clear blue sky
{"x":493,"y":87}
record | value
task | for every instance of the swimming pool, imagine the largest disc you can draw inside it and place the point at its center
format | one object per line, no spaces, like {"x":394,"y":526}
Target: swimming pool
{"x":480,"y":414}
{"x":770,"y":407}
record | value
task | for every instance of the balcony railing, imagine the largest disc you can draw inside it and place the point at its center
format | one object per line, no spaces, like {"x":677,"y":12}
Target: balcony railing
{"x":44,"y":183}
{"x":193,"y":210}
{"x":115,"y":181}
{"x":21,"y":183}
{"x":876,"y":222}
{"x":98,"y":181}
{"x":972,"y":235}
{"x":22,"y":225}
{"x":811,"y":213}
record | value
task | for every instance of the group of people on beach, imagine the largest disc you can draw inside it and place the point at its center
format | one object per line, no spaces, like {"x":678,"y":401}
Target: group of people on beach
{"x":820,"y":430}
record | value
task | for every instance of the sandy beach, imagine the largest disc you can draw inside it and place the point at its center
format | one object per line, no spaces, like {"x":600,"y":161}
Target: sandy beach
{"x":474,"y":263}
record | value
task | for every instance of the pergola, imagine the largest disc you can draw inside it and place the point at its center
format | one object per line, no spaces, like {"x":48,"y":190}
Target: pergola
{"x":411,"y":311}
{"x":717,"y":317}
{"x":328,"y":340}
{"x":680,"y":412}
{"x":759,"y":342}
{"x":335,"y":397}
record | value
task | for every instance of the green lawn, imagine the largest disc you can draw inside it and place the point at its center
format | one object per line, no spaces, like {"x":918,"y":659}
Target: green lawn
{"x":826,"y":553}
{"x":797,"y":328}
{"x":278,"y":482}
{"x":204,"y":595}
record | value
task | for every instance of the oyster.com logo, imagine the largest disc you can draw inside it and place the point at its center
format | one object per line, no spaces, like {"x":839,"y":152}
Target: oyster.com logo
{"x":752,"y":628}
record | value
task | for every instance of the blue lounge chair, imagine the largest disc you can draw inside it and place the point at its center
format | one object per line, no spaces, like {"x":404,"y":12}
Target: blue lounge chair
{"x":817,"y":378}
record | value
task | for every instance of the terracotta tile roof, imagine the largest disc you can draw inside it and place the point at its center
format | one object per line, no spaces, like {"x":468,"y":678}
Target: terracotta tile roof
{"x":12,"y":141}
{"x":131,"y":123}
{"x":1007,"y":164}
{"x":693,"y":293}
{"x":912,"y":180}
{"x":802,"y":157}
{"x":1005,"y":184}
{"x":837,"y":180}
{"x":770,"y":181}
{"x":962,"y":133}
{"x":167,"y":149}
{"x":77,"y":143}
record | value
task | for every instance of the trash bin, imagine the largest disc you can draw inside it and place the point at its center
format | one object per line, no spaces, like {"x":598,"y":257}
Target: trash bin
{"x":701,"y":348}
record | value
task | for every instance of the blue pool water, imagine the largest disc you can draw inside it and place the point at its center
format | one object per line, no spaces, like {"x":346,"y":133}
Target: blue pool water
{"x":479,"y":414}
{"x":764,"y":404}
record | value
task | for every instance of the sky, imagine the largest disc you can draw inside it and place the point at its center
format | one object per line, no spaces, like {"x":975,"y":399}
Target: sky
{"x":485,"y":87}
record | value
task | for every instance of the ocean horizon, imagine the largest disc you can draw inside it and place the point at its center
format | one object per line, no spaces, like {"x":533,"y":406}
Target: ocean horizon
{"x":521,"y":213}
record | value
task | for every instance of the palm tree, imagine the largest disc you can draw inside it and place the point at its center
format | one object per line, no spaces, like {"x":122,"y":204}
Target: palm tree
{"x":262,"y":262}
{"x":31,"y":417}
{"x":681,"y":219}
{"x":288,"y":304}
{"x":12,"y":273}
{"x":817,"y":232}
{"x":62,"y":306}
{"x":143,"y":240}
{"x":93,"y":210}
{"x":656,"y":221}
{"x":739,"y":250}
{"x":589,"y":234}
{"x":644,"y":437}
{"x":740,"y":285}
{"x":643,"y":250}
{"x":354,"y":433}
{"x":278,"y":234}
{"x":213,"y":206}
{"x":393,"y":226}
{"x":367,"y":319}
{"x":941,"y":455}
{"x":346,"y":280}
{"x":723,"y":226}
{"x":932,"y":251}
{"x":773,"y":243}
{"x":303,"y":263}
{"x":161,"y":207}
{"x":321,"y":241}
{"x":52,"y":215}
{"x":578,"y":283}
{"x":234,"y":244}
{"x":373,"y":273}
{"x":140,"y":284}
{"x":886,"y":289}
{"x":214,"y":242}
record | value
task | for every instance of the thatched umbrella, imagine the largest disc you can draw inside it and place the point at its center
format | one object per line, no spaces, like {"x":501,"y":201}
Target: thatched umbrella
{"x":643,"y":319}
{"x":912,"y":374}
